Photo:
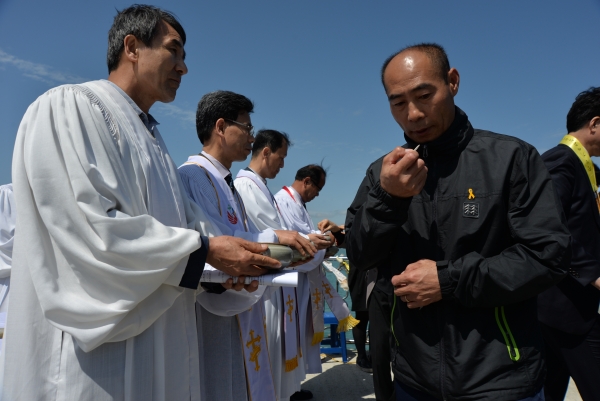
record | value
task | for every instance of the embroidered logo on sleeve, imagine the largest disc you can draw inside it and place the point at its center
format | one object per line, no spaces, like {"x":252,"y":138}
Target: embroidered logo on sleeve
{"x":231,"y":216}
{"x":471,"y":209}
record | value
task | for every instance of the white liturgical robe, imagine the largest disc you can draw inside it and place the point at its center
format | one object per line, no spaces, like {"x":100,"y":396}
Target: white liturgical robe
{"x":103,"y":236}
{"x":8,"y":216}
{"x":219,"y":329}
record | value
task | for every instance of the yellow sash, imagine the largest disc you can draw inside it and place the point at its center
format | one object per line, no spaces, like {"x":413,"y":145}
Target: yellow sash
{"x":583,"y":155}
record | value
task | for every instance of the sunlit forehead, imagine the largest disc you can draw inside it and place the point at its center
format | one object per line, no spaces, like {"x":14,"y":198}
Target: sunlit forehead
{"x":409,"y":62}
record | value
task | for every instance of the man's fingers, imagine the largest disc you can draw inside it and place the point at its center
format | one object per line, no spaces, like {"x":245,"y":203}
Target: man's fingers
{"x":253,"y":286}
{"x":394,"y":155}
{"x":253,"y":247}
{"x":408,"y":160}
{"x":228,"y":284}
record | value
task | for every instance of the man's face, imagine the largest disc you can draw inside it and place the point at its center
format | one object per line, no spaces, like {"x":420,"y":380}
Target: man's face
{"x":274,"y":160}
{"x":313,"y":189}
{"x":238,"y":141}
{"x":161,"y":66}
{"x":421,"y":102}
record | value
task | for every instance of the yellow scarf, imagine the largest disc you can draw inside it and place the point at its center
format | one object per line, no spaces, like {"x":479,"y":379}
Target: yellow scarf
{"x":584,"y":156}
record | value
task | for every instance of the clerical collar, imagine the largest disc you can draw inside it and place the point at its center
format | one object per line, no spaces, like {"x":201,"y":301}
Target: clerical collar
{"x":147,"y":119}
{"x":224,"y":171}
{"x":256,"y":174}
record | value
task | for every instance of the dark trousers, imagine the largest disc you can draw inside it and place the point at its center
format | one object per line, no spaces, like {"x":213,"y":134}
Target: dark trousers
{"x":380,"y":312}
{"x":576,"y":356}
{"x":405,"y":393}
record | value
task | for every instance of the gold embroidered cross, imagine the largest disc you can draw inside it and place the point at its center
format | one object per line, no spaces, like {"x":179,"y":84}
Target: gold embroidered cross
{"x":254,"y":343}
{"x":317,"y":298}
{"x":290,"y":304}
{"x":327,"y":289}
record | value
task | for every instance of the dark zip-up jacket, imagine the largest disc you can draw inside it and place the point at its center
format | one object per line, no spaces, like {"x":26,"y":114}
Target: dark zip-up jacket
{"x":489,"y":216}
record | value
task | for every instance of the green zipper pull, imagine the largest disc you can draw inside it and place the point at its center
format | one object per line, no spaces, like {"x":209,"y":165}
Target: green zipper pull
{"x":517,"y":355}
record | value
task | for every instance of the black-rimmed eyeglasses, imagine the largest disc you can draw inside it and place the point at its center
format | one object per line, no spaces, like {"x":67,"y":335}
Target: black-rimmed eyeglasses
{"x":249,"y":128}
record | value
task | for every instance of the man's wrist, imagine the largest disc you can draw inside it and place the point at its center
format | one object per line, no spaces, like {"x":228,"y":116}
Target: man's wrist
{"x":447,"y":285}
{"x":392,"y":202}
{"x":195,"y":266}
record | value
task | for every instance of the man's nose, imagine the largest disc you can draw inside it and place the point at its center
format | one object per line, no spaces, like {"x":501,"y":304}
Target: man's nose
{"x":182,"y":68}
{"x":414,"y":113}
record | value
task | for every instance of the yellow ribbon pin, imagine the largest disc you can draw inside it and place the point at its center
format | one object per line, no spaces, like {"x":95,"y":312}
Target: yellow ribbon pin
{"x":471,"y":194}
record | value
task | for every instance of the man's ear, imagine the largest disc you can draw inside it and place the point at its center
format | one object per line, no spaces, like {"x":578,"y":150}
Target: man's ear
{"x":220,"y":126}
{"x":453,"y":80}
{"x":594,"y":125}
{"x":266,"y":152}
{"x":131,"y":48}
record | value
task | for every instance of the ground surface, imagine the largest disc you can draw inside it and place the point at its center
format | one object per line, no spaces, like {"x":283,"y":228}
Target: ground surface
{"x":346,"y":382}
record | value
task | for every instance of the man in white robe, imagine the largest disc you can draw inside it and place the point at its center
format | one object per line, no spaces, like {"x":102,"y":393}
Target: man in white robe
{"x":108,"y":249}
{"x":292,"y":201}
{"x":8,"y":217}
{"x":268,"y":154}
{"x":224,"y":128}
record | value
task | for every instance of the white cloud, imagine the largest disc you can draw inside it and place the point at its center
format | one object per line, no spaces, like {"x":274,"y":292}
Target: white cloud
{"x":38,"y":71}
{"x":171,"y":110}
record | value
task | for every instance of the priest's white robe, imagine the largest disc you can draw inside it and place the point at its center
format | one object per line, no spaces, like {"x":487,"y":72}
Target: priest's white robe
{"x":221,"y":355}
{"x":103,"y":236}
{"x":8,"y":217}
{"x":296,"y":217}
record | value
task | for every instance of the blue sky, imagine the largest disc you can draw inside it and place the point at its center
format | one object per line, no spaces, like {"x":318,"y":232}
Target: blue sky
{"x":312,"y":70}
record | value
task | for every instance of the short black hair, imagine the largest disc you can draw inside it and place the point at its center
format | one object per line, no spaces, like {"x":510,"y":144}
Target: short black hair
{"x":435,"y":52}
{"x":269,"y":138}
{"x":585,"y":107}
{"x":141,"y":21}
{"x":219,"y":104}
{"x":314,"y":171}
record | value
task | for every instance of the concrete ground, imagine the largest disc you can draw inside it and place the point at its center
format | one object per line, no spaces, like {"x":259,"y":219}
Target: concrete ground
{"x":346,"y":382}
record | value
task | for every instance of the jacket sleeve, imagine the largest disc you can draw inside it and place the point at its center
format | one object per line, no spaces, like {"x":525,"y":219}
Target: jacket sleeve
{"x":563,"y":168}
{"x":373,"y":222}
{"x":541,"y":252}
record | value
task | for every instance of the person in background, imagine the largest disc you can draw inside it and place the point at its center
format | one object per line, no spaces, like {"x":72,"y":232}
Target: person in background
{"x":224,"y":128}
{"x":269,"y":151}
{"x":314,"y":288}
{"x":569,"y":311}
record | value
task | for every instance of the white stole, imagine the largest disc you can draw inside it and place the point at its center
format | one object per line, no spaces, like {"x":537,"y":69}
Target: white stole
{"x":292,"y":349}
{"x":251,"y":322}
{"x":263,"y":188}
{"x":321,"y":291}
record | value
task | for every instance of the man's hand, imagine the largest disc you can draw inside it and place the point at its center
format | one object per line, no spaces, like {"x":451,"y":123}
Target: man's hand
{"x":596,"y":283}
{"x":320,"y":241}
{"x":403,"y":173}
{"x":418,"y":285}
{"x":229,"y":285}
{"x":238,"y":257}
{"x":328,"y":225}
{"x":295,"y":240}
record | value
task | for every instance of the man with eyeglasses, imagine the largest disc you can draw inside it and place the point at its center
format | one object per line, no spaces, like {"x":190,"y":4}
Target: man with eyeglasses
{"x":225,"y":317}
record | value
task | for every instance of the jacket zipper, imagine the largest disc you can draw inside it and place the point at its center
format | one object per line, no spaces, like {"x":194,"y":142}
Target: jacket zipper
{"x":435,"y":240}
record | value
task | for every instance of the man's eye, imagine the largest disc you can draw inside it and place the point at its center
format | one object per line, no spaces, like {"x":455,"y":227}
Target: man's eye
{"x":399,"y":104}
{"x":425,"y":96}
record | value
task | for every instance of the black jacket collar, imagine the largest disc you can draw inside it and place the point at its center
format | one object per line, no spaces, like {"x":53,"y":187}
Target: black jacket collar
{"x":450,"y":143}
